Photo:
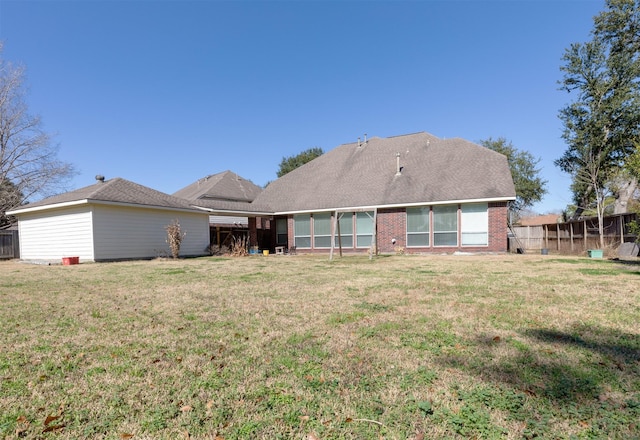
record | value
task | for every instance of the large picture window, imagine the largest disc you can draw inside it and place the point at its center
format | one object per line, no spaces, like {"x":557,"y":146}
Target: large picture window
{"x":364,"y":228}
{"x":302,"y":230}
{"x":322,"y":230}
{"x":418,"y":226}
{"x":474,"y":225}
{"x":445,"y":225}
{"x":346,"y":230}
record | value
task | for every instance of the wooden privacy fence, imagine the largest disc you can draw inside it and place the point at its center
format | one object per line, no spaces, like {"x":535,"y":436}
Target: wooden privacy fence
{"x":9,"y":247}
{"x":574,"y":236}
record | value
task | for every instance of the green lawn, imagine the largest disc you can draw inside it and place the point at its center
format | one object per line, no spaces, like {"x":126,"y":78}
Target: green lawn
{"x":400,"y":347}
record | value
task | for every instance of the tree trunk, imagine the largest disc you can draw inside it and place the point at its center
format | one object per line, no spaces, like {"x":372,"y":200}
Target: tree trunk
{"x":624,"y":194}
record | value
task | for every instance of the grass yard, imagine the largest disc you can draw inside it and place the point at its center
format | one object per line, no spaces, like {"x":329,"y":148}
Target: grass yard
{"x":401,"y":347}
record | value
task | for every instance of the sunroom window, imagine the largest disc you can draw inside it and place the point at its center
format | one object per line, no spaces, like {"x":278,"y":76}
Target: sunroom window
{"x":322,"y":230}
{"x":346,"y":230}
{"x":364,"y":228}
{"x":474,"y":221}
{"x":445,"y":225}
{"x":302,"y":230}
{"x":418,"y":226}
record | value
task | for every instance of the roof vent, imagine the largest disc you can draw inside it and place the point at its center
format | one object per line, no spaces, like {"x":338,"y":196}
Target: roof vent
{"x":100,"y":178}
{"x":398,"y":167}
{"x":360,"y":143}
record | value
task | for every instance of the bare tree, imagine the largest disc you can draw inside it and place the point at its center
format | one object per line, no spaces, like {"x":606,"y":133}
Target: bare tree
{"x":29,"y":164}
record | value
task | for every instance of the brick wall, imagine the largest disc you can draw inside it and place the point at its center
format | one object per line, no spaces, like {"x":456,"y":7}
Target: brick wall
{"x":498,"y":215}
{"x":392,"y":223}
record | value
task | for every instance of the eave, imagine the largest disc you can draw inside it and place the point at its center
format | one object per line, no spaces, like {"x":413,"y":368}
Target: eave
{"x":396,"y":205}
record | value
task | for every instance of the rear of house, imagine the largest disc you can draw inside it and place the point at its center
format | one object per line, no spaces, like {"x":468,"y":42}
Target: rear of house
{"x":414,"y":193}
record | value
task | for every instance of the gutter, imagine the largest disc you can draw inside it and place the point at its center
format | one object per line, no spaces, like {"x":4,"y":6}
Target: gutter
{"x":397,"y":205}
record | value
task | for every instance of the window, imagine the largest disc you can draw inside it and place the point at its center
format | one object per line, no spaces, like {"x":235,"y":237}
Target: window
{"x":346,"y":230}
{"x":475,"y":224}
{"x":418,"y":226}
{"x":281,"y":231}
{"x":364,"y":228}
{"x":302,"y":230}
{"x":322,"y":230}
{"x":445,"y":225}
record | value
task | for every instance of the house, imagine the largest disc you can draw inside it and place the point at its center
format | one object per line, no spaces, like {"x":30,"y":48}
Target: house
{"x":416,"y":192}
{"x":112,"y":219}
{"x":227,"y":197}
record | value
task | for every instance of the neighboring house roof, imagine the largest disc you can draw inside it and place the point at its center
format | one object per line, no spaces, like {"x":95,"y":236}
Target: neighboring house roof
{"x":113,"y":191}
{"x":224,"y":193}
{"x":225,"y":186}
{"x":433,"y":170}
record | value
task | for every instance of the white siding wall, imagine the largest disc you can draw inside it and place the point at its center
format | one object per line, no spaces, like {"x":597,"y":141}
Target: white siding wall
{"x":228,"y":220}
{"x":55,"y":234}
{"x":122,"y":232}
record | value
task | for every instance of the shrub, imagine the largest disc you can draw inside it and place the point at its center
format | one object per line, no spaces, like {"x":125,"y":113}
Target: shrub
{"x":174,"y":237}
{"x":240,"y":246}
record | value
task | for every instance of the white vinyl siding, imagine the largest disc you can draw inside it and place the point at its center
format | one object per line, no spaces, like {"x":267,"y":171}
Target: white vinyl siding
{"x":445,"y":225}
{"x":364,"y":228}
{"x":302,"y":230}
{"x":239,"y":222}
{"x":418,"y":226}
{"x":474,"y":224}
{"x":322,"y":230}
{"x":55,"y":234}
{"x":123,"y":232}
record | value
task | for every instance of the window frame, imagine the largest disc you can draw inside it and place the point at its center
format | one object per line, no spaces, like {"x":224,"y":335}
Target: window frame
{"x":297,"y":236}
{"x":342,"y":217}
{"x":426,"y":233}
{"x":321,"y":217}
{"x":369,"y":217}
{"x":280,"y":234}
{"x":441,"y":233}
{"x":484,"y":220}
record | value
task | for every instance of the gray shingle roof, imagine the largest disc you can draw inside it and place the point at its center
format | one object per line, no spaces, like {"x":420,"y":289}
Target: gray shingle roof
{"x":225,"y":186}
{"x":116,"y":190}
{"x":433,"y":170}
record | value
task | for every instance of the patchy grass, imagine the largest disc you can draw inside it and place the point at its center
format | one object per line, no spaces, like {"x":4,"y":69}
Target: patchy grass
{"x":507,"y":346}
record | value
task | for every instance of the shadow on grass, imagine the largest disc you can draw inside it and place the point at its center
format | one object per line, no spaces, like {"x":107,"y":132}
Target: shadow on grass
{"x":590,"y":377}
{"x":565,"y":365}
{"x":624,"y":348}
{"x":634,"y":263}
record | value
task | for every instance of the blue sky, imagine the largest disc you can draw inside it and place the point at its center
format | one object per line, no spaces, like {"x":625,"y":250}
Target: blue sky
{"x":166,"y":92}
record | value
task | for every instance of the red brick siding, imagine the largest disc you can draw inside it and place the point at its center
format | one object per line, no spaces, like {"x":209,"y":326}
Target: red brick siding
{"x":392,"y":223}
{"x":498,"y":215}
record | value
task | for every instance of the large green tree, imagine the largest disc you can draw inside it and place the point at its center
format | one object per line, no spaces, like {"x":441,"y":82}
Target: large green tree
{"x":290,"y":163}
{"x":602,"y":124}
{"x":29,"y":166}
{"x":530,"y":187}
